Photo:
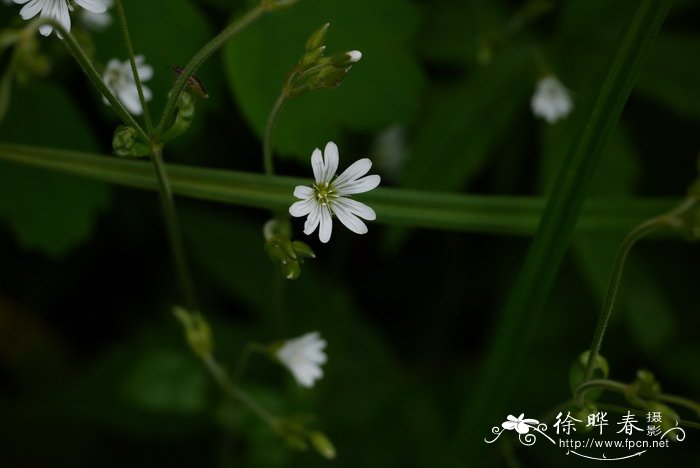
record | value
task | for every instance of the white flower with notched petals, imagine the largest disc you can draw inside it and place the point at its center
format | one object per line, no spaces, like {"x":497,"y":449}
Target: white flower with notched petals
{"x":58,"y":10}
{"x":521,"y":425}
{"x":119,"y":78}
{"x":551,"y":100}
{"x":327,"y":196}
{"x":303,"y":357}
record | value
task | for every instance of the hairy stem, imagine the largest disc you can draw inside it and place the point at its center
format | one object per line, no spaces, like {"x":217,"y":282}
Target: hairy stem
{"x":132,"y":58}
{"x":618,"y":267}
{"x":270,"y":132}
{"x":200,"y":57}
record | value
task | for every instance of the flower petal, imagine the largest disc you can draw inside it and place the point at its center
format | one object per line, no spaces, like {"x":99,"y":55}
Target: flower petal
{"x":31,"y":10}
{"x":356,"y":208}
{"x":313,"y":220}
{"x":301,"y":208}
{"x":94,"y":6}
{"x":348,"y":219}
{"x":317,"y":165}
{"x":355,"y":171}
{"x":303,"y":192}
{"x":331,"y":158}
{"x":324,"y":233}
{"x":362,"y":185}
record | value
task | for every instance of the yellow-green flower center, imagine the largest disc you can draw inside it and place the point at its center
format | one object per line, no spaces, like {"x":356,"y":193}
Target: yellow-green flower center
{"x":324,"y":194}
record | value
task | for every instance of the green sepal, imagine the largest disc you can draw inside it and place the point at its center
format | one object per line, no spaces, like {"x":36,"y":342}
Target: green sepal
{"x":183,"y":119}
{"x":127,"y":143}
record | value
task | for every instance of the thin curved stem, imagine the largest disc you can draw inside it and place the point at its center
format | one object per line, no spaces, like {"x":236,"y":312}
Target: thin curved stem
{"x":132,"y":58}
{"x":172,"y":225}
{"x":597,"y":384}
{"x":681,"y":401}
{"x":618,"y":267}
{"x":89,"y":69}
{"x":231,"y":390}
{"x":270,"y":132}
{"x":200,"y":57}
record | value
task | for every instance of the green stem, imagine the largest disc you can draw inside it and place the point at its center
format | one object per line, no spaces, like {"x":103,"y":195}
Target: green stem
{"x":618,"y":267}
{"x":172,"y":225}
{"x":220,"y":376}
{"x":597,"y":384}
{"x":244,"y":359}
{"x":132,"y":58}
{"x":200,"y":57}
{"x":681,"y":401}
{"x":89,"y":69}
{"x":270,"y":132}
{"x":504,"y":215}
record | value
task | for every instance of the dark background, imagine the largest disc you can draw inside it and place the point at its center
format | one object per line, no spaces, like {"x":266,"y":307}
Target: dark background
{"x":94,"y":370}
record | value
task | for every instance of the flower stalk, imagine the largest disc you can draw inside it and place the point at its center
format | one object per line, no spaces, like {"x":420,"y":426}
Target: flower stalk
{"x":121,"y":14}
{"x":200,"y":57}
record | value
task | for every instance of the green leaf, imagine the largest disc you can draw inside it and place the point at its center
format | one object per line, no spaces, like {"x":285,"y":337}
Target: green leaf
{"x":47,"y":211}
{"x":460,"y":129}
{"x":380,"y":89}
{"x":672,"y":74}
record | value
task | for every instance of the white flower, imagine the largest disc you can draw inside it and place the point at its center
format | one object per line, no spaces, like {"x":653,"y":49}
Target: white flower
{"x":303,"y":357}
{"x":120,"y":80}
{"x":326,"y":197}
{"x":551,"y":100}
{"x":97,"y":21}
{"x":522,"y":426}
{"x":56,"y":9}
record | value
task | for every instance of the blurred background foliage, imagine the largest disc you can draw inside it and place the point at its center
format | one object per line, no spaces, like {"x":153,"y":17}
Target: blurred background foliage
{"x":94,"y":370}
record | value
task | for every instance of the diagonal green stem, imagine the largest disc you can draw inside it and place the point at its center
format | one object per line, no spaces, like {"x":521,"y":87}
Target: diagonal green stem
{"x":268,"y":138}
{"x":132,"y":58}
{"x":200,"y":57}
{"x":89,"y":69}
{"x":522,"y":313}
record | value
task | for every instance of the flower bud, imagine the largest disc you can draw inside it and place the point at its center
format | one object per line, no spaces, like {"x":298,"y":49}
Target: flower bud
{"x":197,"y":331}
{"x":322,"y":444}
{"x":317,"y":39}
{"x":645,"y":386}
{"x":345,"y":59}
{"x":282,"y":251}
{"x":126,"y":143}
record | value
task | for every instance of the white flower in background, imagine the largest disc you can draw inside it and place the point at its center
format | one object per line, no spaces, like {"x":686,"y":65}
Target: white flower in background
{"x":303,"y":357}
{"x":326,"y":197}
{"x":57,"y":9}
{"x":520,"y":424}
{"x":120,"y":80}
{"x":97,"y":21}
{"x":551,"y":100}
